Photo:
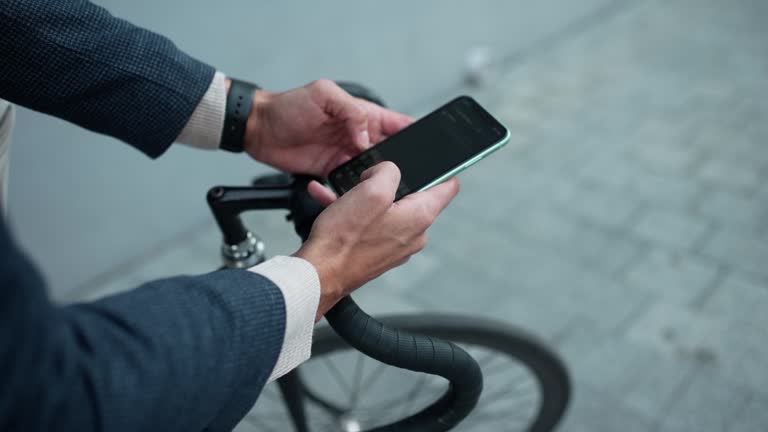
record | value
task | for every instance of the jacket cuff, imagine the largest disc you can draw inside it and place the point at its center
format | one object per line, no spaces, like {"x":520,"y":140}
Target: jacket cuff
{"x":297,"y":279}
{"x":203,"y":130}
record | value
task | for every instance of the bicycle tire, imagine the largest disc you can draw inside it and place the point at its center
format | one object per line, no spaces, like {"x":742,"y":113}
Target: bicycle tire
{"x":550,"y":372}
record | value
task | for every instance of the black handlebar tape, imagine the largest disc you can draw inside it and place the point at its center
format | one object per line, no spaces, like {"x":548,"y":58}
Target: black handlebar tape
{"x":400,"y":348}
{"x":418,"y":353}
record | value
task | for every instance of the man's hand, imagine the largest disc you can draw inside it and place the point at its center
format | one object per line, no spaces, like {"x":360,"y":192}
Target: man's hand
{"x":365,"y":233}
{"x":315,"y":128}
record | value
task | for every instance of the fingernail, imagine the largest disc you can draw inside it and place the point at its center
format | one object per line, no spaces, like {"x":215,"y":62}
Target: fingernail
{"x":365,"y":174}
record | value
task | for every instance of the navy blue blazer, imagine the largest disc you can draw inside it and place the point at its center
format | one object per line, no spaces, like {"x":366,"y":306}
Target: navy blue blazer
{"x":180,"y":354}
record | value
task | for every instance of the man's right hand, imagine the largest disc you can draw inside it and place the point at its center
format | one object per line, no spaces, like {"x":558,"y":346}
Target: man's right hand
{"x":365,"y":233}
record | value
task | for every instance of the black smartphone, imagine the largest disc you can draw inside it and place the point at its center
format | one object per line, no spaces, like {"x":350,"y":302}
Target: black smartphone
{"x":432,"y":149}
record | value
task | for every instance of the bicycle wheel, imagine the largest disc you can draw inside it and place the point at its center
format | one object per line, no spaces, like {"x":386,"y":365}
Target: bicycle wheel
{"x":526,"y":385}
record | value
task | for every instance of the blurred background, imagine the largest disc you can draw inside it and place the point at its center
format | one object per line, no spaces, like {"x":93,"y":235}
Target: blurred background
{"x":626,"y":223}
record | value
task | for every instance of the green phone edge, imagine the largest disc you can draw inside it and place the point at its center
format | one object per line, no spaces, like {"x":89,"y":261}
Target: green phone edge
{"x":469,"y":163}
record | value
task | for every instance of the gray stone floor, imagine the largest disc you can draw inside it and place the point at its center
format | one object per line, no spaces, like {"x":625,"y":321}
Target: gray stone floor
{"x":626,"y":223}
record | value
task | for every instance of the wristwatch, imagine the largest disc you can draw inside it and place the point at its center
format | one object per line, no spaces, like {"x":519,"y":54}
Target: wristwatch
{"x":239,"y":102}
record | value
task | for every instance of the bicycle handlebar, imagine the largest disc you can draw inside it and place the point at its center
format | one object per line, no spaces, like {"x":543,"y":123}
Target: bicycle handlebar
{"x":399,"y":348}
{"x":386,"y":344}
{"x":418,"y":353}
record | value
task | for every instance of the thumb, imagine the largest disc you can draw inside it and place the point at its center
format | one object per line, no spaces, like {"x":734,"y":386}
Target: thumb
{"x":383,"y":177}
{"x":320,"y":193}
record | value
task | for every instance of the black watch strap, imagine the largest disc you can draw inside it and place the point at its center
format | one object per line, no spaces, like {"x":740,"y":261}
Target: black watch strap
{"x":239,"y":102}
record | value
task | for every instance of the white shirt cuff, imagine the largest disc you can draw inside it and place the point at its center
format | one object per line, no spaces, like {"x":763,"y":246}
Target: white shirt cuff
{"x":300,"y":285}
{"x":203,"y":130}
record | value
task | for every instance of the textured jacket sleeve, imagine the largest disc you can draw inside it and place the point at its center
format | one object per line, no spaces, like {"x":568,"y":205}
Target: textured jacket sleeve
{"x":73,"y":60}
{"x":180,"y":354}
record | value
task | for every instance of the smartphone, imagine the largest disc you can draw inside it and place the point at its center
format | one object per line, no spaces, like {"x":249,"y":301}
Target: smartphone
{"x":431,"y":150}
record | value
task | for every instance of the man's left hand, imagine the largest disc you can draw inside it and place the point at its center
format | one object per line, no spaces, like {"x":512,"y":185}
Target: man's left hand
{"x":315,"y":128}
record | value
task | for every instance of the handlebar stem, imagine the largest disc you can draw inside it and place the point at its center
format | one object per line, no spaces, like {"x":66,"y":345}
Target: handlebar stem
{"x":228,"y":202}
{"x":247,"y":253}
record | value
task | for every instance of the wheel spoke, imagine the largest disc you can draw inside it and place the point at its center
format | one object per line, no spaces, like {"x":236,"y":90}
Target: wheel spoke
{"x":507,"y":390}
{"x":259,"y":423}
{"x":513,"y":405}
{"x":330,"y":426}
{"x":490,"y":370}
{"x":518,"y":380}
{"x":500,"y":415}
{"x":513,"y":399}
{"x":509,"y":423}
{"x":336,"y":374}
{"x":358,"y":375}
{"x":269,"y":394}
{"x":414,"y":391}
{"x":386,"y":410}
{"x":381,"y":405}
{"x":317,"y":416}
{"x":486,"y":358}
{"x":375,"y":375}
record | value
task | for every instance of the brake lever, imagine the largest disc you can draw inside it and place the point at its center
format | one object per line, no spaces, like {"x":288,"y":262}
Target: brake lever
{"x":304,"y":209}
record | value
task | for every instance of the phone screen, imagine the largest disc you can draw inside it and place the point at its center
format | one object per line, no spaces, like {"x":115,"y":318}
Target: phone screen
{"x":429,"y":148}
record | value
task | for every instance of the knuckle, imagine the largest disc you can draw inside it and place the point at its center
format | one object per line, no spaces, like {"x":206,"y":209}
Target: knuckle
{"x":357,"y":109}
{"x":360,"y":113}
{"x":424,"y":217}
{"x":420,"y":243}
{"x":389,"y":166}
{"x":322,"y":84}
{"x":378,"y":195}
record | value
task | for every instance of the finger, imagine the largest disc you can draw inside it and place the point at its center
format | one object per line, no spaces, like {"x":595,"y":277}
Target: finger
{"x":360,"y":138}
{"x":386,"y":166}
{"x":334,"y":162}
{"x":340,"y":159}
{"x":392,"y":122}
{"x":435,"y":199}
{"x":320,"y":193}
{"x":366,"y":174}
{"x":347,"y":108}
{"x":401,"y":262}
{"x":381,"y":179}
